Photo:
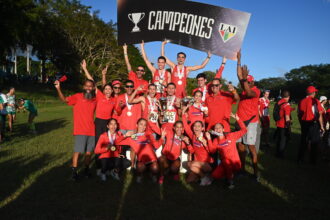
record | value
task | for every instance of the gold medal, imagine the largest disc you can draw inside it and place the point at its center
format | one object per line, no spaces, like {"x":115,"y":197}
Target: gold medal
{"x":180,"y":82}
{"x":129,"y":114}
{"x":113,"y":148}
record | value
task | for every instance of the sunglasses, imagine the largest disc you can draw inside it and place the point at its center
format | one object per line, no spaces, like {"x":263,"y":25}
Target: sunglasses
{"x":116,"y":87}
{"x":129,"y":86}
{"x":181,"y":57}
{"x":215,"y":85}
{"x":140,"y":70}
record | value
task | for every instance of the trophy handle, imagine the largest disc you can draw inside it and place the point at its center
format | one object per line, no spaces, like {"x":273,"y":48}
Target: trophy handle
{"x":130,"y":17}
{"x":143,"y":14}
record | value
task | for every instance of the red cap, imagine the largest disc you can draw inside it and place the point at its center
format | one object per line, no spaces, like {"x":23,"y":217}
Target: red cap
{"x":311,"y":89}
{"x":63,"y":78}
{"x":250,"y":78}
{"x":116,"y":82}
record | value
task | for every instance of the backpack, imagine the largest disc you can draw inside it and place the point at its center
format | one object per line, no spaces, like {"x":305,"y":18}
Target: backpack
{"x":276,"y":111}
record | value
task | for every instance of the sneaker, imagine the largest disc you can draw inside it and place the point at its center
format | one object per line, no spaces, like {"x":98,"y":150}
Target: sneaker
{"x":114,"y":175}
{"x":103,"y":177}
{"x":98,"y":172}
{"x":256,"y":178}
{"x":176,"y":177}
{"x":205,"y":181}
{"x":161,"y":180}
{"x":231,"y":184}
{"x":154,"y":178}
{"x":87,"y":173}
{"x":139,"y":179}
{"x":74,"y":176}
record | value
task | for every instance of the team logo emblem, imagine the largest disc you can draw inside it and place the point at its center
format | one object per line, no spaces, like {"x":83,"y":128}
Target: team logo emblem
{"x":227,"y":31}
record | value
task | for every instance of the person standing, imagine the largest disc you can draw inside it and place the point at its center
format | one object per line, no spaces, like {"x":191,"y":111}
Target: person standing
{"x":264,"y":117}
{"x":33,"y":112}
{"x":311,"y":123}
{"x":180,"y":72}
{"x":84,"y":105}
{"x":283,"y":125}
{"x":248,"y":111}
{"x":3,"y":114}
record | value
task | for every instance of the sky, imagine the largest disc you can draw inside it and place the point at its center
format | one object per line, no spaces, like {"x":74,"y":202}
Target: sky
{"x":282,"y":35}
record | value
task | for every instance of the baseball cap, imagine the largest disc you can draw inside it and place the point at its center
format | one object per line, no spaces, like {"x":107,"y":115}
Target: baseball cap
{"x":250,"y":78}
{"x":116,"y":82}
{"x":322,"y":98}
{"x":311,"y":89}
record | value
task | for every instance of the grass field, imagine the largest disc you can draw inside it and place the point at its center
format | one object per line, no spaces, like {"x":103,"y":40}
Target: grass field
{"x":35,"y":183}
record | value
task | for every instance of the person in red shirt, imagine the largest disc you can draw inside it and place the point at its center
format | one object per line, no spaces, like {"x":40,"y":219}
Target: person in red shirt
{"x":84,"y":105}
{"x":225,"y":143}
{"x":264,"y":117}
{"x":116,"y":86}
{"x":136,"y":77}
{"x":144,"y":144}
{"x":196,"y":111}
{"x":248,"y":111}
{"x":201,"y":81}
{"x":173,"y":108}
{"x":110,"y":152}
{"x":173,"y":145}
{"x":181,"y":72}
{"x":220,"y":98}
{"x":200,"y":167}
{"x":160,"y":77}
{"x":149,"y":107}
{"x":311,"y":122}
{"x":283,"y":124}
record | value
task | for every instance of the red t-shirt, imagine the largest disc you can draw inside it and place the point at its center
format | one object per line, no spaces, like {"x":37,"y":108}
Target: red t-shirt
{"x":104,"y":106}
{"x":248,"y":107}
{"x":180,"y":83}
{"x":219,"y":109}
{"x":171,"y":114}
{"x":309,"y":108}
{"x":83,"y":114}
{"x":150,"y":113}
{"x":195,"y":114}
{"x":128,"y":118}
{"x":264,"y":106}
{"x":137,"y":82}
{"x":104,"y":142}
{"x":144,"y":146}
{"x":285,"y":109}
{"x":173,"y":146}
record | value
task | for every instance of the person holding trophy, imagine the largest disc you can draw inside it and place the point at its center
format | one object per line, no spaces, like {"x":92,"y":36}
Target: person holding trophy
{"x":170,"y":107}
{"x":181,"y":72}
{"x":195,"y":110}
{"x":160,"y":77}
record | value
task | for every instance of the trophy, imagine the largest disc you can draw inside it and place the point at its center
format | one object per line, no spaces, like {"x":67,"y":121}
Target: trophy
{"x":186,"y":100}
{"x":163,"y":103}
{"x":136,"y":18}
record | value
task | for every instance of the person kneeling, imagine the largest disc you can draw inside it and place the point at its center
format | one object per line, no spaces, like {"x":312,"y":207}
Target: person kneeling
{"x":109,"y":150}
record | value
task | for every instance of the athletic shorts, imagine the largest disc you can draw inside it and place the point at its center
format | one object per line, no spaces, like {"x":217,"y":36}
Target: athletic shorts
{"x":250,"y":137}
{"x":84,"y":143}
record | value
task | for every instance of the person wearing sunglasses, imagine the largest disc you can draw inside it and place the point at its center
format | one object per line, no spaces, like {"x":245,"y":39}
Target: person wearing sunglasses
{"x":248,"y":110}
{"x":219,"y":104}
{"x":116,"y":86}
{"x":180,"y":72}
{"x":201,"y":81}
{"x":137,"y":76}
{"x":160,"y":77}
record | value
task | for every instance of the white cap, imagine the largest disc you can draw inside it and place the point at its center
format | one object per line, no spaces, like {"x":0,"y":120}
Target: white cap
{"x":322,"y":98}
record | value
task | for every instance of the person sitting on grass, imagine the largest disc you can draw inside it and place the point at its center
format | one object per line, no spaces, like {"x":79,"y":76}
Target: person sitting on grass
{"x":143,"y":144}
{"x":200,"y":167}
{"x":33,"y":112}
{"x":173,"y":143}
{"x":110,"y":153}
{"x":225,"y":143}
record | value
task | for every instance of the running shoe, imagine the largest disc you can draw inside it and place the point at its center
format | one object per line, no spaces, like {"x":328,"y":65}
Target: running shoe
{"x":114,"y":175}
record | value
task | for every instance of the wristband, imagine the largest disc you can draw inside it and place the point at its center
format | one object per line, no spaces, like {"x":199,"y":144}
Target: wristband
{"x":223,"y":63}
{"x":125,"y":54}
{"x":238,"y":64}
{"x":208,"y":57}
{"x":243,"y":80}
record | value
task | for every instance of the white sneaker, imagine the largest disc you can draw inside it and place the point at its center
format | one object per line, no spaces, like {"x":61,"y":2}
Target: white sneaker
{"x":103,"y":177}
{"x":206,"y":181}
{"x":114,"y":175}
{"x":98,"y":172}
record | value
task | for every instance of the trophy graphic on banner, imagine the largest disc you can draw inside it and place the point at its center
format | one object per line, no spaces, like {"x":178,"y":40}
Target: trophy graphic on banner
{"x":136,"y":18}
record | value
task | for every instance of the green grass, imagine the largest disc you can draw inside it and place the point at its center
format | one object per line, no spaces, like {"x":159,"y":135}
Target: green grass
{"x":35,"y":183}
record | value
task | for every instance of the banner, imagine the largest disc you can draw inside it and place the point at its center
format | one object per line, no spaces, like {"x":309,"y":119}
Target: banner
{"x":200,"y":26}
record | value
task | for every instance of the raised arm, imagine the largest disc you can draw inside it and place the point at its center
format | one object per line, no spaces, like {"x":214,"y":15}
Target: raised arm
{"x":104,"y":73}
{"x":84,"y":67}
{"x":145,"y":58}
{"x":237,"y":134}
{"x":59,"y":92}
{"x":220,"y":70}
{"x":197,"y":67}
{"x":245,"y":72}
{"x":233,"y":90}
{"x":187,"y":127}
{"x":133,"y":100}
{"x":128,"y":65}
{"x":168,"y":61}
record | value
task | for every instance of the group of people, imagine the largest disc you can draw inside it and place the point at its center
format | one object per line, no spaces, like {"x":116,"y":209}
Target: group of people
{"x":8,"y":108}
{"x":156,"y":127}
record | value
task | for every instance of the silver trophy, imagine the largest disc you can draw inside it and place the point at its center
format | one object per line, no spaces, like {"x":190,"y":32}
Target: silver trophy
{"x":163,"y":103}
{"x":136,"y":18}
{"x":187,"y":100}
